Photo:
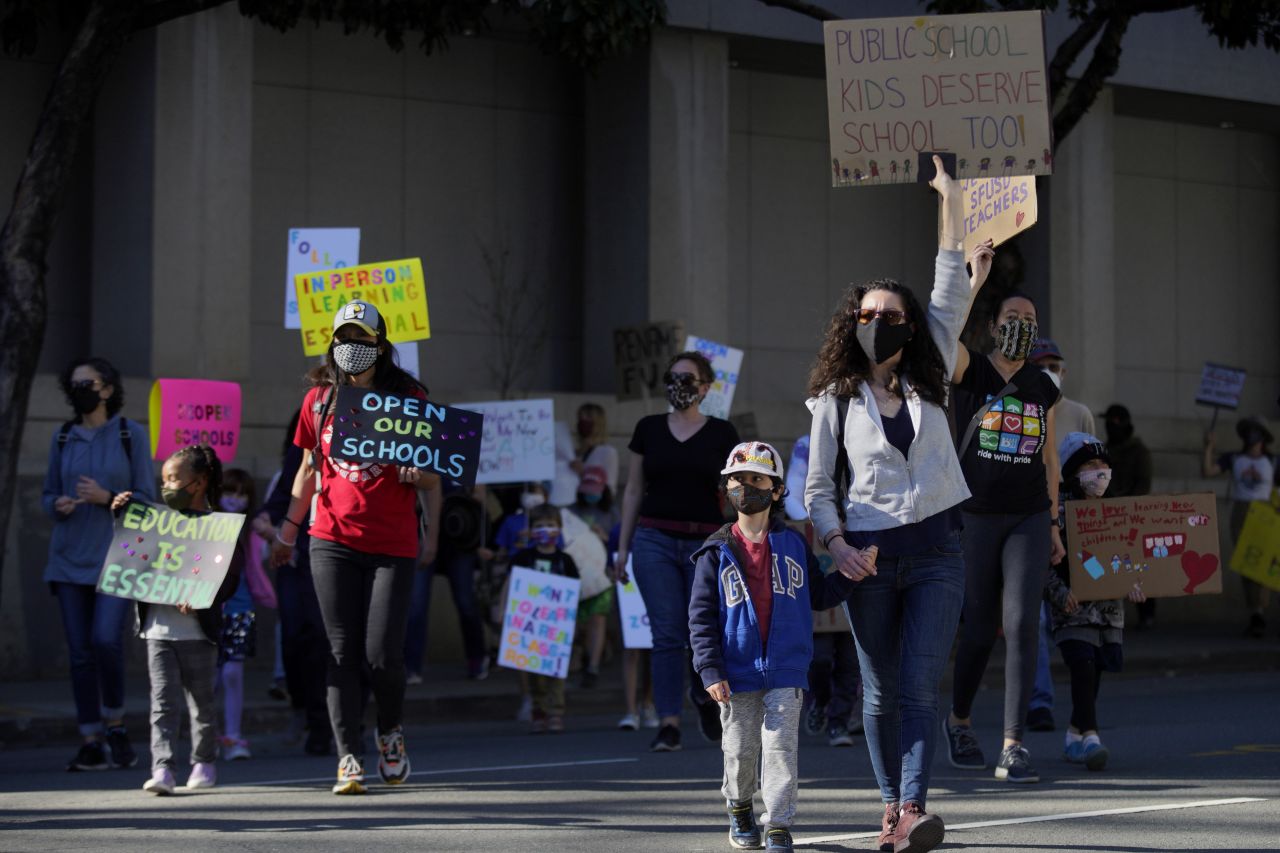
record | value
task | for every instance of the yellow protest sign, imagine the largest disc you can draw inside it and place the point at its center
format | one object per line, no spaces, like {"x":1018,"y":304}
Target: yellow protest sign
{"x":997,"y":208}
{"x":1257,"y":551}
{"x":396,"y":288}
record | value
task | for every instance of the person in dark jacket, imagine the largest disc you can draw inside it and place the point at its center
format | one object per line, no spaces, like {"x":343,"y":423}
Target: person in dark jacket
{"x":755,"y":587}
{"x":1131,"y":475}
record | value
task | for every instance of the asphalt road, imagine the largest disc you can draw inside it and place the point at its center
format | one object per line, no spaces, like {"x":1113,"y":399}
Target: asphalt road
{"x":1195,"y":766}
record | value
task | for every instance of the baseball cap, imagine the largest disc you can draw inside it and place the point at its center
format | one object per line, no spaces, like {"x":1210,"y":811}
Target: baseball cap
{"x":1044,"y":348}
{"x":1078,"y":448}
{"x":359,"y":313}
{"x":755,"y":456}
{"x":593,"y":480}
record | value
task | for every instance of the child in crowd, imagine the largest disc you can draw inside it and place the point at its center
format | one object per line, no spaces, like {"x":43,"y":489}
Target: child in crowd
{"x":545,"y":556}
{"x":755,"y":587}
{"x":514,"y":531}
{"x":182,"y":644}
{"x":1088,"y":634}
{"x":239,"y":619}
{"x":594,"y":505}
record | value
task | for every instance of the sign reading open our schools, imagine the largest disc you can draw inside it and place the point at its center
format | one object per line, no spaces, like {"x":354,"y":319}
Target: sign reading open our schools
{"x":372,"y":426}
{"x":311,"y":250}
{"x":161,"y":556}
{"x":194,"y":411}
{"x":396,"y":288}
{"x":538,"y":622}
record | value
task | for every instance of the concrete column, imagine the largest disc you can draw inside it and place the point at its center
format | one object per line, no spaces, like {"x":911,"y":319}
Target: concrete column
{"x":1083,"y":256}
{"x":201,"y":234}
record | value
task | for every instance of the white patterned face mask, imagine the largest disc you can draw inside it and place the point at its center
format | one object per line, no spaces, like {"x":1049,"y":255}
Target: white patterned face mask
{"x":1094,"y":483}
{"x":355,"y":357}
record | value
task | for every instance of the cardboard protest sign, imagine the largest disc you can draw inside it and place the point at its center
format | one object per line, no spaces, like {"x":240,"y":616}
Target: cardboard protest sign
{"x":1257,"y":551}
{"x":371,"y":426}
{"x":727,"y":363}
{"x":1220,"y":386}
{"x":396,"y":288}
{"x":161,"y":556}
{"x":996,"y":209}
{"x":640,"y":356}
{"x":972,"y":85}
{"x":636,"y":633}
{"x":1167,"y":543}
{"x":194,"y":411}
{"x":313,"y":249}
{"x":537,"y":622}
{"x":519,"y":440}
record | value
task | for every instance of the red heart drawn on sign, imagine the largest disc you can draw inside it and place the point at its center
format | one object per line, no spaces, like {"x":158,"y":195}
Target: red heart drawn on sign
{"x":1017,"y":220}
{"x":1198,"y":568}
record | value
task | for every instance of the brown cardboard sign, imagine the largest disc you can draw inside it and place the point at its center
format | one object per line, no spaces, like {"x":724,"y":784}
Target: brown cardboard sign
{"x":640,"y":355}
{"x":996,"y":209}
{"x":1166,"y":543}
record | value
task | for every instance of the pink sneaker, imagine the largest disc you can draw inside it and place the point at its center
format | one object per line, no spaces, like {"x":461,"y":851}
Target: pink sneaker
{"x":161,"y":783}
{"x":203,"y":775}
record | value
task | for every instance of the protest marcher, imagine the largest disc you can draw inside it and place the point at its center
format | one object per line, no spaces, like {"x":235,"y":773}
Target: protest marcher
{"x":883,"y":491}
{"x":593,"y":444}
{"x":1088,"y":634}
{"x":751,"y":629}
{"x":92,"y":457}
{"x":1069,"y":415}
{"x":1253,"y":474}
{"x":364,"y":545}
{"x":670,"y":506}
{"x":1005,"y":417}
{"x":1131,"y":475}
{"x":596,"y":508}
{"x":182,"y":643}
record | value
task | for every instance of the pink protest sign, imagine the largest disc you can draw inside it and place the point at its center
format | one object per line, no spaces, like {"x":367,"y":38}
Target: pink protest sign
{"x":195,"y":411}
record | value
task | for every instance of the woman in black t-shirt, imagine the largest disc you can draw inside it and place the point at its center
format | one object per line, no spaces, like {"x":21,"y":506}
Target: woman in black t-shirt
{"x":670,"y":506}
{"x":1010,"y":526}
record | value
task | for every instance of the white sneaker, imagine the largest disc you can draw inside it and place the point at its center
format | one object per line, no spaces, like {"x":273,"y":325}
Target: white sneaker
{"x":203,"y":775}
{"x":234,"y":749}
{"x":350,"y":776}
{"x":629,"y":723}
{"x":649,"y":717}
{"x":161,"y":783}
{"x":525,"y":714}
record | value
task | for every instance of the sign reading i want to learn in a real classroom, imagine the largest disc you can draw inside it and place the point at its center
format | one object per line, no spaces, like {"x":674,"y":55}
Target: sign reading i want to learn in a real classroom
{"x":397,"y":289}
{"x":538,"y":622}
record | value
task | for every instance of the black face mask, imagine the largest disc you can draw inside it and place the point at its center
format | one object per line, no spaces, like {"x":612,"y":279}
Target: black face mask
{"x":85,"y":400}
{"x":749,"y":500}
{"x":880,"y":341}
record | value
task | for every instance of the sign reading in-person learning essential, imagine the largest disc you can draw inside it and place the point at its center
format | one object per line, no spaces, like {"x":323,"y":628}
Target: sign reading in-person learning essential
{"x":1257,"y":551}
{"x":519,"y":443}
{"x":313,"y":249}
{"x":162,"y":556}
{"x":537,"y":622}
{"x":1220,"y":386}
{"x":1168,"y":544}
{"x":194,"y":411}
{"x":636,"y":633}
{"x":371,"y":426}
{"x":996,"y":209}
{"x":396,"y":288}
{"x":971,"y":85}
{"x":727,"y":364}
{"x":640,"y":356}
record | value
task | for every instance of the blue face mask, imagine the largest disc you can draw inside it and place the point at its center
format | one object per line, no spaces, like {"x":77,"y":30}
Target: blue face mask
{"x":590,"y":500}
{"x":546,"y":535}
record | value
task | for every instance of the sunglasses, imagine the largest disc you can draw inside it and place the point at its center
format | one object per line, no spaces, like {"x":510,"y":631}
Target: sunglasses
{"x":670,"y":378}
{"x":892,"y":316}
{"x":94,"y":384}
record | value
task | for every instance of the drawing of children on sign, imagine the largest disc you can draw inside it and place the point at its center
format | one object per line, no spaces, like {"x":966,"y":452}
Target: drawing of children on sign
{"x":835,"y":168}
{"x":906,"y":171}
{"x":983,"y":165}
{"x":857,"y":174}
{"x":1009,"y":162}
{"x":1115,"y":564}
{"x":846,"y":176}
{"x":875,"y":172}
{"x":893,"y":171}
{"x":961,"y":167}
{"x":1046,"y":159}
{"x":1031,"y":165}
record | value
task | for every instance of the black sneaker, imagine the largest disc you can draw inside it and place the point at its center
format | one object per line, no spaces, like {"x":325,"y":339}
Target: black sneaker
{"x":668,"y":739}
{"x":962,"y":747}
{"x":778,"y":840}
{"x":1040,"y":720}
{"x":90,"y":757}
{"x":122,"y":754}
{"x":589,"y":678}
{"x":744,"y":833}
{"x":1015,"y":765}
{"x":709,"y":721}
{"x":1257,"y":627}
{"x":838,"y":735}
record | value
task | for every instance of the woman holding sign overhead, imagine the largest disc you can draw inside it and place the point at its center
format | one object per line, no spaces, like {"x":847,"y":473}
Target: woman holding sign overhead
{"x":364,"y":544}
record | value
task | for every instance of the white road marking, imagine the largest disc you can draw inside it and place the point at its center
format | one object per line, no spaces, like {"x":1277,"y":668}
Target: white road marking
{"x":1199,"y":804}
{"x":416,"y":773}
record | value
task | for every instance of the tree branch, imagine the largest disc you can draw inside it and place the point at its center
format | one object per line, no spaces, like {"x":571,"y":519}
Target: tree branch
{"x":1105,"y":61}
{"x":811,"y":10}
{"x":1071,"y":48}
{"x":163,"y":11}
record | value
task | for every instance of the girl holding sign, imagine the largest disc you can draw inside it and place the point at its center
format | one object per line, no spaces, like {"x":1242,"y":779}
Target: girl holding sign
{"x":364,"y":544}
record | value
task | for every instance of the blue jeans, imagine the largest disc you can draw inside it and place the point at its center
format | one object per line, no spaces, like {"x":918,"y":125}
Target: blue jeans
{"x":461,"y":570}
{"x":94,"y":627}
{"x":904,"y":619}
{"x":663,"y":569}
{"x":1042,"y":690}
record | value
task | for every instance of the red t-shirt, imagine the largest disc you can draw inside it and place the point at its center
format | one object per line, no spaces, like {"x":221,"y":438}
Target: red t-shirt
{"x":759,"y":578}
{"x":361,"y":505}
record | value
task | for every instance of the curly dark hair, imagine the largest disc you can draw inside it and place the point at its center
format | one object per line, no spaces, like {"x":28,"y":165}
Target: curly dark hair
{"x":203,"y":460}
{"x":110,"y":376}
{"x":842,"y":365}
{"x":706,"y":373}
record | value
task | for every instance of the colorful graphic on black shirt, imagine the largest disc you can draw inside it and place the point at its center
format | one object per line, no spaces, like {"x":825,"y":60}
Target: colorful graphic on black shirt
{"x":1011,"y":427}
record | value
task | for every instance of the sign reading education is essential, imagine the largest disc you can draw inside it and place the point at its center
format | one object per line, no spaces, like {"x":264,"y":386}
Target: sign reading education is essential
{"x":640,"y":356}
{"x":727,"y":364}
{"x":537,"y":623}
{"x":371,"y":426}
{"x":636,"y":633}
{"x":162,"y":556}
{"x":1257,"y":551}
{"x":519,"y":443}
{"x":996,"y":209}
{"x":1166,"y":543}
{"x":1220,"y":386}
{"x":311,"y":250}
{"x":397,"y":289}
{"x":194,"y":411}
{"x":972,"y":85}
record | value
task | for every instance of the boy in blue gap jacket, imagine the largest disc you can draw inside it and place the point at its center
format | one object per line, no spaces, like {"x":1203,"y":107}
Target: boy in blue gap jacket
{"x":755,"y":587}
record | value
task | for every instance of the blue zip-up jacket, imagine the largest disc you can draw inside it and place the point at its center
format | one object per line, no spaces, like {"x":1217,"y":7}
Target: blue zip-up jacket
{"x":723,"y":629}
{"x":80,"y":540}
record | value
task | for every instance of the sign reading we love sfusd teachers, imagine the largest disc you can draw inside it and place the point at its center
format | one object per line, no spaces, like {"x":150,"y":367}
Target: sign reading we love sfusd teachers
{"x":397,"y":289}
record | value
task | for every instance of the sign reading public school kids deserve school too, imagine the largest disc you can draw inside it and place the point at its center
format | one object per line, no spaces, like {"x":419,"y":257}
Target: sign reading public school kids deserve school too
{"x":972,"y":85}
{"x":370,"y":426}
{"x":397,"y":289}
{"x":162,"y":556}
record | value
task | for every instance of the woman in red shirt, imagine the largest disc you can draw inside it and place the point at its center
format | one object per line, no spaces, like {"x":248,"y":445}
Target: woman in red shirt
{"x":364,"y":544}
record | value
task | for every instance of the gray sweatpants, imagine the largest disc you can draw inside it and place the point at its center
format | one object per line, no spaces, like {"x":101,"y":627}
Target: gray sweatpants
{"x":763,"y":723}
{"x":177,"y":667}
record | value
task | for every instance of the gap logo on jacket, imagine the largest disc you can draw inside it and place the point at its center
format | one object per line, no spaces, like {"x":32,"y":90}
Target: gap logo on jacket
{"x":724,"y":630}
